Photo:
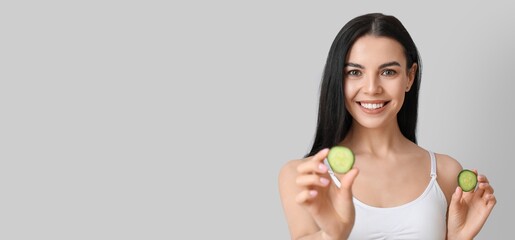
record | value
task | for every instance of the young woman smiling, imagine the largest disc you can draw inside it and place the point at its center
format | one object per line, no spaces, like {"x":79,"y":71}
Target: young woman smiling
{"x":369,"y":103}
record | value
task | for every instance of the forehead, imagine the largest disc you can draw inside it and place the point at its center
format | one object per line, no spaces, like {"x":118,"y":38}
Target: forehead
{"x":373,"y":51}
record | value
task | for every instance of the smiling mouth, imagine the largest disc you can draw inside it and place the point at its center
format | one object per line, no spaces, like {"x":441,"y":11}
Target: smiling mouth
{"x":372,"y":106}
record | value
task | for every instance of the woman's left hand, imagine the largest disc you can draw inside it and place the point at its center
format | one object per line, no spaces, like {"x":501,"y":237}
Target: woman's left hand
{"x":468,"y":211}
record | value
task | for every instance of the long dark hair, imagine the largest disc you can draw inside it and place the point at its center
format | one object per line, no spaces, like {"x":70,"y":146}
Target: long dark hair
{"x":334,"y":121}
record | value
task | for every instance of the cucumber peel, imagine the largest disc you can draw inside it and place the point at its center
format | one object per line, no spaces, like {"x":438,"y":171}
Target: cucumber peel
{"x":467,"y":180}
{"x":341,"y":159}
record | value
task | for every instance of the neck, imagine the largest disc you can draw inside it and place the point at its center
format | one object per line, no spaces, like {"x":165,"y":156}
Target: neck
{"x":376,"y":141}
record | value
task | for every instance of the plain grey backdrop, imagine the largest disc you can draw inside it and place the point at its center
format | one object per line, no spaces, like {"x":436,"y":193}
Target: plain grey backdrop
{"x":171,"y":120}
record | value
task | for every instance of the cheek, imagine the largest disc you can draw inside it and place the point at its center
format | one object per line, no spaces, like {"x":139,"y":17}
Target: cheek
{"x":396,"y":88}
{"x":400,"y":95}
{"x":350,"y":91}
{"x":349,"y":94}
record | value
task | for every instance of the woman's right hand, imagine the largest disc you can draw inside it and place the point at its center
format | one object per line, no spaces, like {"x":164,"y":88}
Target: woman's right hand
{"x":333,"y":213}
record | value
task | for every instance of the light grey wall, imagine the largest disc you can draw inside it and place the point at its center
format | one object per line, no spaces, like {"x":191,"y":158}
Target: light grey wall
{"x":156,"y":120}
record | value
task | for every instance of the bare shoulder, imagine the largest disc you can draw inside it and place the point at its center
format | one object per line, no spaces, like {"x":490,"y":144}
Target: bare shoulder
{"x":447,"y":164}
{"x":448,"y":169}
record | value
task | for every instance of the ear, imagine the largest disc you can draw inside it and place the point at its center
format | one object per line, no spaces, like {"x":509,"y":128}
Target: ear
{"x":411,"y":76}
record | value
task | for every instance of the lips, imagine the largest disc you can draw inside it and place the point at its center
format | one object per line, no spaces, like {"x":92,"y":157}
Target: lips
{"x":372,"y":106}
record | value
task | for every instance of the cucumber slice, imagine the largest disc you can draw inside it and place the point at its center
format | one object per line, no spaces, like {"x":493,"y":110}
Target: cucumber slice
{"x":341,"y":159}
{"x":467,"y":180}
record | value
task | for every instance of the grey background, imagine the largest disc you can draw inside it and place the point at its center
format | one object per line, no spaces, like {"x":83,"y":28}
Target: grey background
{"x":171,"y":120}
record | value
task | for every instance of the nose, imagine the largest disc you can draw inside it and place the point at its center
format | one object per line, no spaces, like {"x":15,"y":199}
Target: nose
{"x":372,"y":85}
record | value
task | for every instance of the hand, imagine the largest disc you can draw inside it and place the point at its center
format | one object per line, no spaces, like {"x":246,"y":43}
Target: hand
{"x":468,"y":211}
{"x":334,"y":214}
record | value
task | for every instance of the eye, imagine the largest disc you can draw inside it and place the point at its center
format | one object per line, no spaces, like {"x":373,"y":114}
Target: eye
{"x":388,"y":72}
{"x":354,"y":73}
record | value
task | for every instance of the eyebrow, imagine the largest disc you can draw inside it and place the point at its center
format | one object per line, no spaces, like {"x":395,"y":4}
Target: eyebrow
{"x":388,"y":64}
{"x":353,"y":65}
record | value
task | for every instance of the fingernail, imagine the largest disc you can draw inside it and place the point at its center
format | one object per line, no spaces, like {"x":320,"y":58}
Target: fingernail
{"x":313,"y":193}
{"x":322,"y":167}
{"x":324,"y":181}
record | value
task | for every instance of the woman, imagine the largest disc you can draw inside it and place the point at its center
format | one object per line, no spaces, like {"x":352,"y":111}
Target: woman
{"x":368,"y":103}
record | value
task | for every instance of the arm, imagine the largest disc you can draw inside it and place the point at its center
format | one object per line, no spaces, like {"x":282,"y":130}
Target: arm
{"x":467,"y":212}
{"x":308,"y":204}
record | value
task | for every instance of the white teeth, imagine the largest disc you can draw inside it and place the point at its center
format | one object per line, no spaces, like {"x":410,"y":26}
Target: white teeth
{"x":372,"y":105}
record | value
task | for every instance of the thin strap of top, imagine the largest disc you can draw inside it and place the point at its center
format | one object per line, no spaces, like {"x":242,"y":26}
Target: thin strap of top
{"x":433,"y":164}
{"x":331,"y":173}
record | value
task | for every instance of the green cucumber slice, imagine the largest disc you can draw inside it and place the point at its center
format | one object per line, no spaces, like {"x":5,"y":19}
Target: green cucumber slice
{"x":467,"y":180}
{"x":341,"y":159}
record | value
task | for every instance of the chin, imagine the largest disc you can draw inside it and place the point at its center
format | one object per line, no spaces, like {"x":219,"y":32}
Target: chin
{"x":373,"y":122}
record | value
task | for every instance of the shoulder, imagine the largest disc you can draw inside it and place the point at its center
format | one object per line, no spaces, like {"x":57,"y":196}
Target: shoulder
{"x":447,"y":166}
{"x":448,"y":169}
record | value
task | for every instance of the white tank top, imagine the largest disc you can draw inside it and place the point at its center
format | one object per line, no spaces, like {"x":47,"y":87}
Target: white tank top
{"x":422,"y":218}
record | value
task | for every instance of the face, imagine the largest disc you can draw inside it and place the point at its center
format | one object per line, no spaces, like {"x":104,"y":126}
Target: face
{"x":376,"y":79}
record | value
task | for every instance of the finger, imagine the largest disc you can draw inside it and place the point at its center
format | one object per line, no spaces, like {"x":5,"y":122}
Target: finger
{"x":311,"y":180}
{"x":491,"y":201}
{"x":487,"y":198}
{"x":482,"y":189}
{"x":315,"y":164}
{"x":487,"y":188}
{"x":312,"y":167}
{"x":482,"y":178}
{"x":348,"y":179}
{"x":479,"y":191}
{"x":456,"y":198}
{"x":306,"y":196}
